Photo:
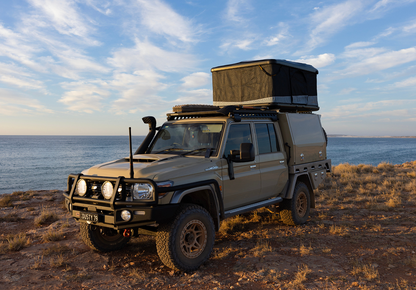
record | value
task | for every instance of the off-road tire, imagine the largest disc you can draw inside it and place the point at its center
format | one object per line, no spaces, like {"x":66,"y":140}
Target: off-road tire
{"x":185,"y":243}
{"x":102,"y":239}
{"x":295,"y":211}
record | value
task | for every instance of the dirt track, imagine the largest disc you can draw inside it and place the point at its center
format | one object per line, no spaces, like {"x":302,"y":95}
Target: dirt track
{"x":359,"y":237}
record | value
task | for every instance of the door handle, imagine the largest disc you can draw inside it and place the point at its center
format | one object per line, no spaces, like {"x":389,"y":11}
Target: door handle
{"x":282,"y":161}
{"x":253,"y":166}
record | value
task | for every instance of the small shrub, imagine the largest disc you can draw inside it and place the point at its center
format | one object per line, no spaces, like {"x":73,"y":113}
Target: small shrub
{"x":6,"y":201}
{"x":395,"y":201}
{"x":303,"y":250}
{"x":56,"y":262}
{"x":45,"y":217}
{"x":385,"y":166}
{"x":236,"y":223}
{"x":38,"y":263}
{"x":338,"y":230}
{"x":411,"y":174}
{"x":18,"y":242}
{"x":367,"y":271}
{"x":52,"y":236}
{"x":261,"y":248}
{"x":300,"y":277}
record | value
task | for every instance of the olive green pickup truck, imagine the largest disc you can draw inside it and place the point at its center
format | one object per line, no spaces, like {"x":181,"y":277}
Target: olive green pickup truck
{"x":203,"y":165}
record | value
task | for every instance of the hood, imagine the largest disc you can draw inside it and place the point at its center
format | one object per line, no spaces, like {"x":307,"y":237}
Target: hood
{"x":158,"y":167}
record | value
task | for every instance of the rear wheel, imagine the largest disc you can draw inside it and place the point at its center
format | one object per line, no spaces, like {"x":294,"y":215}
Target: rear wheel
{"x":186,"y":242}
{"x":102,"y":239}
{"x":295,"y":211}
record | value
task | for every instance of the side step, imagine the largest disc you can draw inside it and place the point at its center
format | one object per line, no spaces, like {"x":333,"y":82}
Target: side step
{"x":247,"y":208}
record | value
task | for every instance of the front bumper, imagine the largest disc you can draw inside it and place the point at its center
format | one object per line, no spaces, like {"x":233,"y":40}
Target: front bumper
{"x":96,"y":210}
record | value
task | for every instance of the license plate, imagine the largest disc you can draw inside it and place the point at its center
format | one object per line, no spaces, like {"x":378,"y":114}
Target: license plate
{"x":89,"y":217}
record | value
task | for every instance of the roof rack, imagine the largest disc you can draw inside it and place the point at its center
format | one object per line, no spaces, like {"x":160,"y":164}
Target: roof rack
{"x":236,"y":112}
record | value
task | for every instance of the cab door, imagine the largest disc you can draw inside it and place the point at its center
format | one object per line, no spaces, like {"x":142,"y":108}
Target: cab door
{"x":272,"y":161}
{"x":246,"y":185}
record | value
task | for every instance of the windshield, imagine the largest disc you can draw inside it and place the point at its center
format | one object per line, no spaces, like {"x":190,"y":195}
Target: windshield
{"x":193,"y":138}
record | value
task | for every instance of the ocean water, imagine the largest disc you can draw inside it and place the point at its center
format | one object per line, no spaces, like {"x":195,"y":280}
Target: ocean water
{"x":44,"y":162}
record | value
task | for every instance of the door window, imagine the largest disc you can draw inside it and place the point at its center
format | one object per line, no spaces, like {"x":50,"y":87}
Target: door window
{"x":238,"y":133}
{"x":266,"y":138}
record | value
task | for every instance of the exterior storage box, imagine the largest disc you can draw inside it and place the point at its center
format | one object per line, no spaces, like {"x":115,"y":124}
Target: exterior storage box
{"x":305,"y":139}
{"x":275,"y":83}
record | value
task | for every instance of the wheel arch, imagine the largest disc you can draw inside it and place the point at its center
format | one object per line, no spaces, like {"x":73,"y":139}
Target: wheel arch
{"x":203,"y":196}
{"x":294,"y":179}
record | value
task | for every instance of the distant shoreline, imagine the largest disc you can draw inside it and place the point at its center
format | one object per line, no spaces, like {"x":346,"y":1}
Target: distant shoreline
{"x":354,"y":136}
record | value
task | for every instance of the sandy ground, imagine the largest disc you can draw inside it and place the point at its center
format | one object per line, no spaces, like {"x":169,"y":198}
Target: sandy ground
{"x":344,"y":245}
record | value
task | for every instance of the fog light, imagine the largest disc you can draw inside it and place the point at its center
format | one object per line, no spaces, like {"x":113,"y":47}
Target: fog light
{"x":107,"y":189}
{"x":126,"y":215}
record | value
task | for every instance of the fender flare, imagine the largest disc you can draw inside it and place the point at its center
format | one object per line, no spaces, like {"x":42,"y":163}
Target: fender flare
{"x":303,"y":177}
{"x":217,"y":211}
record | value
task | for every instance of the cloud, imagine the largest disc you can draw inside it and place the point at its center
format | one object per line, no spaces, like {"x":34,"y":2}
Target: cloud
{"x":379,"y":62}
{"x":321,"y":60}
{"x":18,"y":103}
{"x":63,"y":16}
{"x":196,"y":80}
{"x":145,"y":55}
{"x":201,"y":96}
{"x":281,"y":35}
{"x":83,"y":97}
{"x":160,"y":18}
{"x":368,"y":109}
{"x":329,"y":20}
{"x":236,"y":9}
{"x":410,"y":82}
{"x":138,"y":92}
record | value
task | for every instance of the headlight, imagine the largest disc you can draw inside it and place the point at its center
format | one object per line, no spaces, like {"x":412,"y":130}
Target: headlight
{"x":143,"y":191}
{"x":107,"y":189}
{"x":81,"y":187}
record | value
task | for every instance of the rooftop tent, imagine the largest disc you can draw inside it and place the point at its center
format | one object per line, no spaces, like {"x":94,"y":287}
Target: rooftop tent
{"x":272,"y":82}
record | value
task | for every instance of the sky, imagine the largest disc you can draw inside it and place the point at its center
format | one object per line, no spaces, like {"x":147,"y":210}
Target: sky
{"x":96,"y":67}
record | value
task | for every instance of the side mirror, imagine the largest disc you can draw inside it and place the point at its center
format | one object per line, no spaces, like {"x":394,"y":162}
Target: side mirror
{"x":245,"y":154}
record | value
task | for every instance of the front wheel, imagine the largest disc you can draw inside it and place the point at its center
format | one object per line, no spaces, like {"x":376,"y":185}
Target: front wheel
{"x":102,"y":239}
{"x":295,"y":211}
{"x":185,"y":243}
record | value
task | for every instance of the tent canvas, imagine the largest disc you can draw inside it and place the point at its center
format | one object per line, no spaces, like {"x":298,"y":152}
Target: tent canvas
{"x":274,"y":83}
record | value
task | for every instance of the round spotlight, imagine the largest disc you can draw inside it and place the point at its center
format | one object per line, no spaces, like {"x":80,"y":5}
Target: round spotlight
{"x":107,"y":189}
{"x":126,"y":215}
{"x":82,"y":187}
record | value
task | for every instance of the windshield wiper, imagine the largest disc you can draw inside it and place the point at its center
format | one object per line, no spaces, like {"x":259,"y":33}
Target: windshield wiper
{"x":207,"y":153}
{"x":167,"y":150}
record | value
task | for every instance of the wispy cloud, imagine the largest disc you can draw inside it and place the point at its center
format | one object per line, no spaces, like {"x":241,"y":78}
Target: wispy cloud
{"x":236,"y":10}
{"x":18,"y":103}
{"x":319,"y":61}
{"x":145,"y":55}
{"x":161,"y":19}
{"x":196,"y":80}
{"x":281,"y":35}
{"x":379,"y":62}
{"x":138,"y":92}
{"x":84,"y":97}
{"x":329,"y":20}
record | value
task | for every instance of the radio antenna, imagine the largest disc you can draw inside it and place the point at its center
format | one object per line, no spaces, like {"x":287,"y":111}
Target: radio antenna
{"x":131,"y":156}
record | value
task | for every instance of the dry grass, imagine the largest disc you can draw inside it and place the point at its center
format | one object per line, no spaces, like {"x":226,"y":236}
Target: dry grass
{"x":46,"y":216}
{"x":6,"y":201}
{"x":18,"y":242}
{"x":368,"y":272}
{"x":52,"y":236}
{"x":261,"y":248}
{"x":300,"y":277}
